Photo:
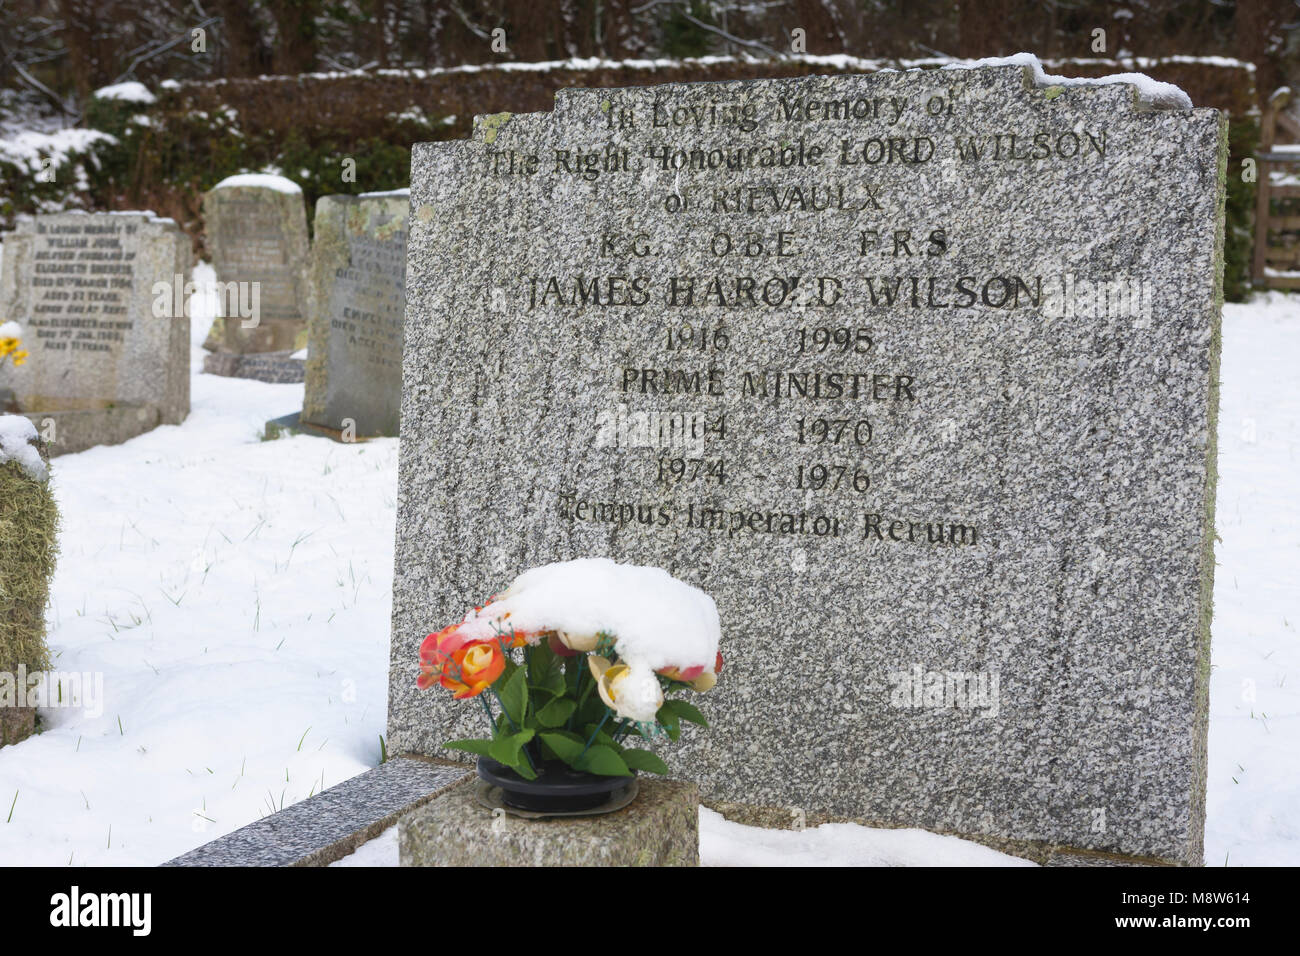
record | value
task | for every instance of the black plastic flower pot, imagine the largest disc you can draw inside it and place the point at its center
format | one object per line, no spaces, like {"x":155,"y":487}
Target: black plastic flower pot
{"x":557,"y":789}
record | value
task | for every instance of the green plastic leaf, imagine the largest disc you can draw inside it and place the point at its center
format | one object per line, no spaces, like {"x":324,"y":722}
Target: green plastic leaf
{"x":546,"y":669}
{"x":643,"y":760}
{"x":507,"y":749}
{"x":591,"y":711}
{"x":514,"y":696}
{"x":686,"y":711}
{"x":567,"y":746}
{"x":600,"y":737}
{"x":669,"y":721}
{"x":556,"y":712}
{"x":604,"y":761}
{"x":473,"y":746}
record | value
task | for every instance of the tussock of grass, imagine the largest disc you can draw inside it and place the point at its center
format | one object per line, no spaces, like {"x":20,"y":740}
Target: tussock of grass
{"x":29,"y":522}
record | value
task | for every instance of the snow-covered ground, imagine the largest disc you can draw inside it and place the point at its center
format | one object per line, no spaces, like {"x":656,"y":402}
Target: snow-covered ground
{"x":235,"y":596}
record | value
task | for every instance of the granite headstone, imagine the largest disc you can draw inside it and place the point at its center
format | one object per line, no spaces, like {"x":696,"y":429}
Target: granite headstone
{"x":100,"y":300}
{"x":915,"y":373}
{"x":354,"y":345}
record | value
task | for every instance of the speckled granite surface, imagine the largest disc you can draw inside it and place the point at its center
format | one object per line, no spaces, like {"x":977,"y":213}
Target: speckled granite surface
{"x":331,"y":824}
{"x":944,"y":347}
{"x":659,"y":828}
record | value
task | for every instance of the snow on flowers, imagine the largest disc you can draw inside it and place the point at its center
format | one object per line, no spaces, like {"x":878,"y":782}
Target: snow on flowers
{"x":606,"y":647}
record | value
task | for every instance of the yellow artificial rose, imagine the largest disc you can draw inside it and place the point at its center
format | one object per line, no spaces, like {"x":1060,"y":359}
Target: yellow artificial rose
{"x":633,"y":693}
{"x":577,"y":642}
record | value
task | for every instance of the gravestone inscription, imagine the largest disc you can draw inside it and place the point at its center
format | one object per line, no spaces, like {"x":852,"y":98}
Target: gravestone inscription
{"x":100,"y":299}
{"x":354,"y":346}
{"x":915,"y":373}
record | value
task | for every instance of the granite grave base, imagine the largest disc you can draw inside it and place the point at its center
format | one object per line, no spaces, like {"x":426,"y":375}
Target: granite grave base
{"x":277,"y":368}
{"x":287,"y":425}
{"x":332,"y":824}
{"x":659,"y":828}
{"x":16,"y":724}
{"x":76,"y":429}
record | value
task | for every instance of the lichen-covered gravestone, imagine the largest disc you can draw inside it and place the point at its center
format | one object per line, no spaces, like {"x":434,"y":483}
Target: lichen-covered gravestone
{"x":28,"y":523}
{"x":99,"y":298}
{"x":354,"y":357}
{"x":256,"y":230}
{"x":915,"y":373}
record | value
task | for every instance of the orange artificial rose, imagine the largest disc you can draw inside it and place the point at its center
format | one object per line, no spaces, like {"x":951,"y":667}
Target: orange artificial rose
{"x":464,"y":665}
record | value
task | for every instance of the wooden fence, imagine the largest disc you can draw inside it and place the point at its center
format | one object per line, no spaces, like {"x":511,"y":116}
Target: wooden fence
{"x":1276,"y":264}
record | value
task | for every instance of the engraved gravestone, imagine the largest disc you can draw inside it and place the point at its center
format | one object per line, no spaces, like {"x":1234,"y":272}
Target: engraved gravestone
{"x":100,"y":300}
{"x":354,"y":346}
{"x":915,"y":373}
{"x":256,"y":230}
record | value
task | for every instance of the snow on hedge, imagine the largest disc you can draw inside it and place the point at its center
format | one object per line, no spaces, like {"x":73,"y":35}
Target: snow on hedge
{"x":29,"y":149}
{"x":16,"y":433}
{"x":128,"y":92}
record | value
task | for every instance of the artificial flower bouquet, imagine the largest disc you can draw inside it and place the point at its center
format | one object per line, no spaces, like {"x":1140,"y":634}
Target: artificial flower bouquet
{"x":605,"y":650}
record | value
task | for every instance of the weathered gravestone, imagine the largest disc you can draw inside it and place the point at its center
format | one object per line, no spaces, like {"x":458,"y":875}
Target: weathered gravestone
{"x":103,"y":322}
{"x":354,"y":346}
{"x":256,"y":228}
{"x":915,"y":373}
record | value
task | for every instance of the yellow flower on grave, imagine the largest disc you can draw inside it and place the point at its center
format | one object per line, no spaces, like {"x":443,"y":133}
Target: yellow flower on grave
{"x":20,"y":358}
{"x":633,"y":693}
{"x":8,"y":345}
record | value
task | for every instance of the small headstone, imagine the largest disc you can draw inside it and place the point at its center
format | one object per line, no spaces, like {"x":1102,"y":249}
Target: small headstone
{"x":100,"y":301}
{"x":28,"y":524}
{"x":256,"y":229}
{"x":354,"y":358}
{"x":915,"y":373}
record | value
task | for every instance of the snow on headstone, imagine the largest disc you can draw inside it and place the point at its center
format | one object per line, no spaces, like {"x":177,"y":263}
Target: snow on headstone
{"x":913,"y":372}
{"x":28,"y":522}
{"x":99,"y":299}
{"x":256,"y":230}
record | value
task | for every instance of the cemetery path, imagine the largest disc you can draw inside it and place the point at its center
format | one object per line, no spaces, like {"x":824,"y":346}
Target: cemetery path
{"x":234,"y":596}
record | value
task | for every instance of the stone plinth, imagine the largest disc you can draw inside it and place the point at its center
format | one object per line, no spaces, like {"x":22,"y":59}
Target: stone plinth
{"x":276,"y":368}
{"x":659,"y":828}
